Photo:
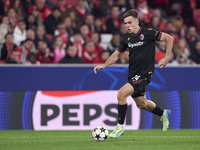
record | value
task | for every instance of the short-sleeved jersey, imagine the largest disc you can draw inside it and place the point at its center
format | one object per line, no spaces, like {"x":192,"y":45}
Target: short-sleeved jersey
{"x":142,"y":50}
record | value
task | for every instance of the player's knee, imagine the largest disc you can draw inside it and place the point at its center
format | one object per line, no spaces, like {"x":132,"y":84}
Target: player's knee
{"x":120,"y":97}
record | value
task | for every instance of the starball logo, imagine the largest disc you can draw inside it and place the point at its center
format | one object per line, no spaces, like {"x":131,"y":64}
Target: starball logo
{"x":135,"y":44}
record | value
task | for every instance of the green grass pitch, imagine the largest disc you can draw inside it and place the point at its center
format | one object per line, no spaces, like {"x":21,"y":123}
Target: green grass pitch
{"x":82,"y":140}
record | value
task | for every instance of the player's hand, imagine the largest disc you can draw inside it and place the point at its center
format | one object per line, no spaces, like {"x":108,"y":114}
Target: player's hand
{"x":99,"y":67}
{"x":163,"y":62}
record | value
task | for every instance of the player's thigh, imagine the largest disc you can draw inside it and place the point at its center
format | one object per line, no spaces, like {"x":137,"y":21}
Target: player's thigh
{"x":141,"y":100}
{"x":125,"y":91}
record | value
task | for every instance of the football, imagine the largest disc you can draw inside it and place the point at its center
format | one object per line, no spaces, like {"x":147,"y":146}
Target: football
{"x":100,"y":133}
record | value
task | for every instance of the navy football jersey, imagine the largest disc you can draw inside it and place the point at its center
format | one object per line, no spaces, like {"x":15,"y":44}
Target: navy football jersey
{"x":142,"y":50}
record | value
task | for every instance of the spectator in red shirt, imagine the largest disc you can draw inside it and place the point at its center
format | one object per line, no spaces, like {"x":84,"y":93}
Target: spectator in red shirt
{"x":44,"y":56}
{"x":42,"y":8}
{"x":62,"y":32}
{"x":145,"y":13}
{"x":95,"y":38}
{"x":81,"y":10}
{"x":160,"y":51}
{"x":19,"y":10}
{"x":89,"y":54}
{"x":78,"y":41}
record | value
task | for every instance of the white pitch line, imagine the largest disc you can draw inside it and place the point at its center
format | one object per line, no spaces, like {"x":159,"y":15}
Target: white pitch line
{"x":91,"y":136}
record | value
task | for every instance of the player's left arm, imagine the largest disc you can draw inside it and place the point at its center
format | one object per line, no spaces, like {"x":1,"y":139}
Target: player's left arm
{"x":169,"y":44}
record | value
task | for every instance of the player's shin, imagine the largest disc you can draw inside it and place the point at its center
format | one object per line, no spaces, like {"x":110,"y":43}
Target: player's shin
{"x":121,"y":114}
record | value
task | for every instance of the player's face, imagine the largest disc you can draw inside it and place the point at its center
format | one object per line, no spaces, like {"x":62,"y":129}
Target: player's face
{"x":131,"y":24}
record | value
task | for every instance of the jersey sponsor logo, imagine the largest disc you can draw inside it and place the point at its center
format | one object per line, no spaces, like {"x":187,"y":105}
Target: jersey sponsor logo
{"x":135,"y":44}
{"x":141,"y":36}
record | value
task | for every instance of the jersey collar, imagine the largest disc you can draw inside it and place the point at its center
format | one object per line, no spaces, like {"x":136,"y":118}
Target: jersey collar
{"x":137,"y":32}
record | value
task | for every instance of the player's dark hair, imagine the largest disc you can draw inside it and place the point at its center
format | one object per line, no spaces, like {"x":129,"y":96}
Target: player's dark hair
{"x":131,"y":12}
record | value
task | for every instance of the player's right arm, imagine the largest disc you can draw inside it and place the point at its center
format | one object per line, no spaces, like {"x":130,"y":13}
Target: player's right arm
{"x":111,"y":60}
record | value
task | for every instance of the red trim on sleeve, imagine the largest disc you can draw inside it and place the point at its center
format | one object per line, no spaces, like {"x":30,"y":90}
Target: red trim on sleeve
{"x":159,"y":36}
{"x":119,"y":50}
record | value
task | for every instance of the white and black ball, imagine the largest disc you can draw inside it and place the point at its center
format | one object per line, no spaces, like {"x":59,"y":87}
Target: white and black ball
{"x":100,"y":133}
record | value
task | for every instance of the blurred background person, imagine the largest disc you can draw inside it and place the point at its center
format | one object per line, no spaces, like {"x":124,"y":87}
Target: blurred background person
{"x":124,"y":59}
{"x":195,"y":55}
{"x":145,"y":13}
{"x":113,"y":22}
{"x":68,"y":23}
{"x":4,"y":28}
{"x":40,"y":34}
{"x":13,"y":58}
{"x":104,"y":55}
{"x":19,"y":32}
{"x":178,"y":24}
{"x":112,"y":46}
{"x":81,"y":10}
{"x":78,"y":41}
{"x":31,"y":59}
{"x":160,"y":50}
{"x":99,"y":26}
{"x":18,"y":7}
{"x":12,"y":18}
{"x":182,"y":59}
{"x":53,"y":20}
{"x":44,"y":55}
{"x":89,"y":21}
{"x":192,"y":38}
{"x":95,"y":37}
{"x":61,"y":31}
{"x":8,"y":46}
{"x":91,"y":7}
{"x":105,"y":7}
{"x":59,"y":49}
{"x":30,"y":22}
{"x":89,"y":54}
{"x":25,"y":49}
{"x":85,"y":33}
{"x":71,"y":56}
{"x":43,"y":9}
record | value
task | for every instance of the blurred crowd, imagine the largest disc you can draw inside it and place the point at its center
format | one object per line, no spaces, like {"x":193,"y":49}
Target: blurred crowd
{"x":69,"y":31}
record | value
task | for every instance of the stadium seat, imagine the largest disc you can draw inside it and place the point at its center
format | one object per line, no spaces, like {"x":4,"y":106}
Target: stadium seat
{"x":71,"y":3}
{"x":105,"y":40}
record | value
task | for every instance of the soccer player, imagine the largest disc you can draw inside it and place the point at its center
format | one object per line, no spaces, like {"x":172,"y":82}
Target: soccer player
{"x":141,"y":44}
